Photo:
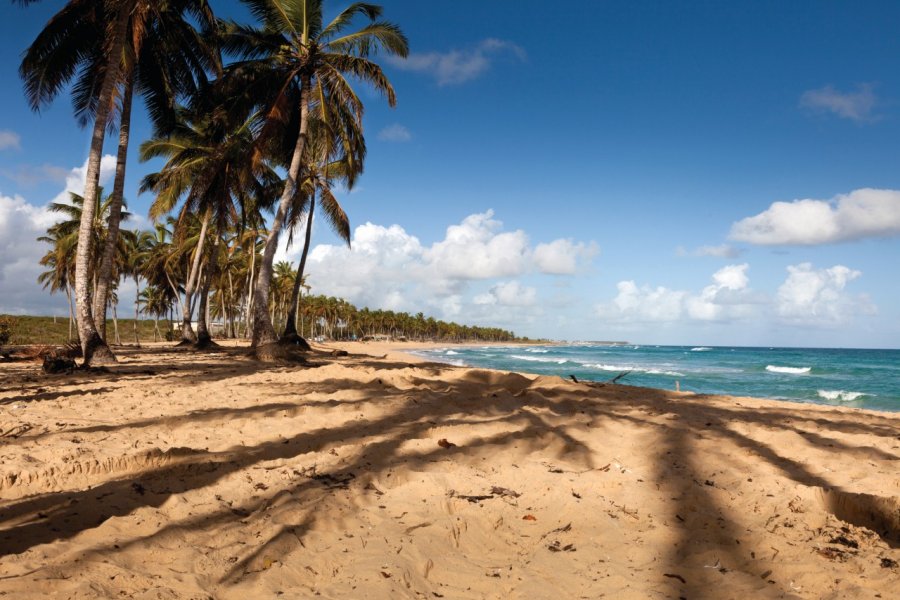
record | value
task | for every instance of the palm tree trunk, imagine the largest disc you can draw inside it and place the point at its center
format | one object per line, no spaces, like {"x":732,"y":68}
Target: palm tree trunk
{"x":203,"y":337}
{"x":187,"y":309}
{"x":115,"y":210}
{"x":71,"y":310}
{"x":251,"y":283}
{"x":230,"y":313}
{"x":93,"y":348}
{"x":137,"y":305}
{"x":116,"y":325}
{"x":290,"y":328}
{"x":263,"y":331}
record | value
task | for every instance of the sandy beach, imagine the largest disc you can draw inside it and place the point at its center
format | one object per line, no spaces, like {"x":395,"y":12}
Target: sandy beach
{"x":378,"y":475}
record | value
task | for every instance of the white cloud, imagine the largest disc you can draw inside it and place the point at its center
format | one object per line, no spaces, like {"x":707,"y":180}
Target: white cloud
{"x":21,"y":223}
{"x":387,"y":267}
{"x":76,"y":178}
{"x":856,"y":106}
{"x":727,"y":297}
{"x":860,"y":214}
{"x":816,"y":296}
{"x":10,"y":140}
{"x":476,"y":249}
{"x":458,"y":66}
{"x":508,"y":293}
{"x":721,"y":251}
{"x":561,"y":257}
{"x":395,"y":133}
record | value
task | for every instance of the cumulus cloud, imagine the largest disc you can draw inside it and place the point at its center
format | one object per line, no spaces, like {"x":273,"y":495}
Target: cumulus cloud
{"x":76,"y":177}
{"x":817,"y":296}
{"x":21,"y":223}
{"x":508,"y":293}
{"x":458,"y":66}
{"x":721,"y":251}
{"x":10,"y":140}
{"x":857,"y":106}
{"x":387,"y":267}
{"x":477,"y":249}
{"x":562,"y":257}
{"x":862,"y":213}
{"x":395,"y":133}
{"x":727,"y":297}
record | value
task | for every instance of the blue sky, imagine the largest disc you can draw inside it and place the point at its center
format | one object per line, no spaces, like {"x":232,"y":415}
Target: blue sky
{"x":602,"y":170}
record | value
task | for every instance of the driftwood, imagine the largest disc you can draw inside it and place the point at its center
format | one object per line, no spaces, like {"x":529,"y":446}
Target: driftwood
{"x":618,"y":377}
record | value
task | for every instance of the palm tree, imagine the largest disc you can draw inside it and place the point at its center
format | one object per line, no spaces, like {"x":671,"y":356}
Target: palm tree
{"x":345,"y":135}
{"x":208,"y":170}
{"x":103,"y":41}
{"x":293,"y":53}
{"x":138,"y":246}
{"x":61,"y":266}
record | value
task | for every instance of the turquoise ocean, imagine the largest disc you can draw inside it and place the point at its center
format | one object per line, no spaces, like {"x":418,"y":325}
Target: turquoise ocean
{"x":840,"y":377}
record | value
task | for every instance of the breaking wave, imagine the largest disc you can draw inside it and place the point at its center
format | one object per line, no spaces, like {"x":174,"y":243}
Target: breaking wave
{"x":788,"y":370}
{"x":840,"y":395}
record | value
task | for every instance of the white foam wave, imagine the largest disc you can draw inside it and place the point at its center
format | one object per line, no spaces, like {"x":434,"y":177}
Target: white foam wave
{"x":788,"y":370}
{"x":450,"y":352}
{"x":701,"y":349}
{"x":621,"y":369}
{"x":840,"y":395}
{"x":559,"y":361}
{"x":537,"y":350}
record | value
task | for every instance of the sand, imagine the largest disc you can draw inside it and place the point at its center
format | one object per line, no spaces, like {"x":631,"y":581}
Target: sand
{"x":377,"y":475}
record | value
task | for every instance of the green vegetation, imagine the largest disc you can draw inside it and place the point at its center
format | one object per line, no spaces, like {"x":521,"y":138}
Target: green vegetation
{"x":24,"y":330}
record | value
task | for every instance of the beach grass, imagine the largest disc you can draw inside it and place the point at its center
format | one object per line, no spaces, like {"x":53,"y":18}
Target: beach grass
{"x":26,"y":330}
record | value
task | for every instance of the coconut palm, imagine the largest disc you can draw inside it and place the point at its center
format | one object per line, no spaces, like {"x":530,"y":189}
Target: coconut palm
{"x":339,"y":150}
{"x":209,"y":171}
{"x":103,"y":41}
{"x":292,"y":54}
{"x":60,"y":260}
{"x":138,"y":245}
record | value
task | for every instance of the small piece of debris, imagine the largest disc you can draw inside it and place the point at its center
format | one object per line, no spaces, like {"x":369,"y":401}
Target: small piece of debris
{"x":675,"y":576}
{"x":844,"y":541}
{"x":443,"y":443}
{"x":888,"y":563}
{"x":504,"y":492}
{"x":529,"y":518}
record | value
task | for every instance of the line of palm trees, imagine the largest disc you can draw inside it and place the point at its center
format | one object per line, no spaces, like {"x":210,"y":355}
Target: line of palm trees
{"x":159,"y":266}
{"x":248,"y":118}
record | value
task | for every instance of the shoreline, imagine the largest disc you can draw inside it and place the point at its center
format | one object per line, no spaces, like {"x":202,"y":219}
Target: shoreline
{"x":384,"y":474}
{"x":405,"y":349}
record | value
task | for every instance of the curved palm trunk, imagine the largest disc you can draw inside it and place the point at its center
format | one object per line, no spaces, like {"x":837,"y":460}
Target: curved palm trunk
{"x":203,"y":336}
{"x":104,"y":277}
{"x":263,"y":331}
{"x":187,"y":309}
{"x":290,"y":328}
{"x":93,"y":348}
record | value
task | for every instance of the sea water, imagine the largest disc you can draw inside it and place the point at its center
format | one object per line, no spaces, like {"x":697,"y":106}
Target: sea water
{"x":843,"y":377}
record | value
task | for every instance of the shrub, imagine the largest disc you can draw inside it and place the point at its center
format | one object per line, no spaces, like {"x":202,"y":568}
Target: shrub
{"x":6,"y":328}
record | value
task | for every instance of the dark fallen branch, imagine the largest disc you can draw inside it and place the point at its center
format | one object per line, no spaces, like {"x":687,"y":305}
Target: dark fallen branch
{"x":618,"y":377}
